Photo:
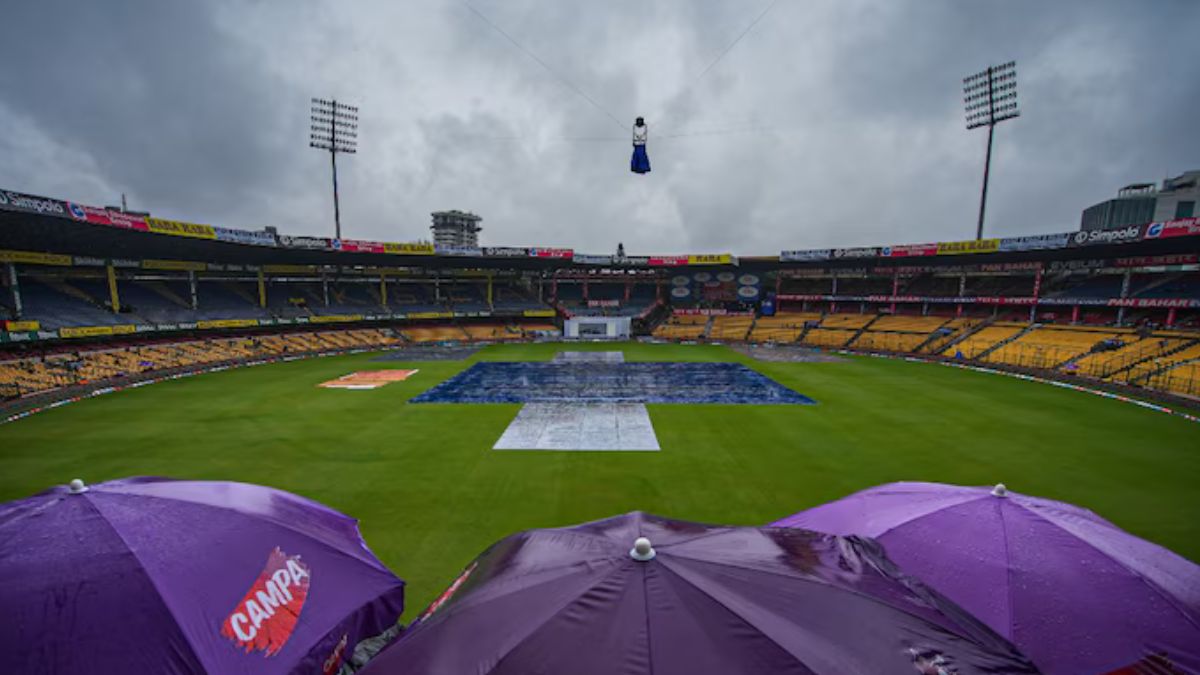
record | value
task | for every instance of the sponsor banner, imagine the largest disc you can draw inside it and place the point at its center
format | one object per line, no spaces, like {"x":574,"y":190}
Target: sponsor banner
{"x":505,"y":252}
{"x":989,"y":300}
{"x":99,"y":216}
{"x":17,"y":201}
{"x":184,"y":265}
{"x":582,"y":259}
{"x":710,"y":259}
{"x":1151,"y":303}
{"x":857,"y":252}
{"x":20,"y":326}
{"x":1071,"y":265}
{"x":969,"y":246}
{"x":84,"y":331}
{"x":244,"y":236}
{"x":263,"y":620}
{"x":801,"y":296}
{"x":313,"y":243}
{"x":32,"y":258}
{"x":1145,"y":261}
{"x":82,"y":261}
{"x":805,"y":256}
{"x":633,"y":260}
{"x":1185,"y":227}
{"x":431,"y":315}
{"x":696,"y":311}
{"x":1035,"y":242}
{"x":667,"y":260}
{"x":227,"y":323}
{"x":122,"y":262}
{"x":540,"y":313}
{"x":1121,"y":235}
{"x":408,"y":249}
{"x":180,"y":228}
{"x":282,"y":269}
{"x":464,"y":251}
{"x":335,"y":318}
{"x":359,"y":246}
{"x":604,"y":303}
{"x":908,"y":250}
{"x":561,"y":253}
{"x":1008,"y":267}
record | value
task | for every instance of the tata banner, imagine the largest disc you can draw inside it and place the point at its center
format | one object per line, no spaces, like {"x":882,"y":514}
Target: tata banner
{"x":806,"y":256}
{"x":464,"y":251}
{"x":685,"y":311}
{"x":858,"y":252}
{"x":966,"y":247}
{"x":1121,"y":235}
{"x":227,"y":323}
{"x":98,"y":216}
{"x":561,"y":253}
{"x":17,"y":201}
{"x":908,"y":250}
{"x":312,"y":243}
{"x":1156,"y":260}
{"x":244,"y":236}
{"x":582,"y":259}
{"x":505,"y":252}
{"x":603,"y":303}
{"x":1035,"y":242}
{"x":179,"y":228}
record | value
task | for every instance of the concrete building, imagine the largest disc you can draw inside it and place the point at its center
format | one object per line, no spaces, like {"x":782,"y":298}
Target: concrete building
{"x":456,"y":228}
{"x":1177,"y":198}
{"x":1145,"y":203}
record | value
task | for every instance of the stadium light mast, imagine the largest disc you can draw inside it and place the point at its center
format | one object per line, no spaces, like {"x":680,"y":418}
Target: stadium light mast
{"x":334,"y":128}
{"x":990,"y":97}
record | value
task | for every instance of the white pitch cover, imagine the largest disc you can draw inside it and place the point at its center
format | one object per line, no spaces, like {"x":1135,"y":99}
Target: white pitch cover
{"x":580,"y":426}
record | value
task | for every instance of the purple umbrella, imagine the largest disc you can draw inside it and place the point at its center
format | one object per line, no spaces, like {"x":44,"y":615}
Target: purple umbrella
{"x":1070,"y":589}
{"x":149,"y":575}
{"x":691,"y":599}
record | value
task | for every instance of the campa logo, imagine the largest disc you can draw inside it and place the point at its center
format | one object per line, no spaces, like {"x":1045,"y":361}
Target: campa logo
{"x":266,"y":616}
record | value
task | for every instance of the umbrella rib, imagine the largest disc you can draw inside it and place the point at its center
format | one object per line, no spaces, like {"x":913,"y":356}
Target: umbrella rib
{"x":162,"y":598}
{"x":1152,"y":586}
{"x":803,"y":579}
{"x":508,"y":652}
{"x":1010,"y":630}
{"x":739,"y":617}
{"x":376,"y":563}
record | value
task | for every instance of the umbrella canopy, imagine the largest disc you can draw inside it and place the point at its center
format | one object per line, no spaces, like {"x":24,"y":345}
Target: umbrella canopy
{"x":149,"y":575}
{"x":690,"y":599}
{"x":1073,"y":591}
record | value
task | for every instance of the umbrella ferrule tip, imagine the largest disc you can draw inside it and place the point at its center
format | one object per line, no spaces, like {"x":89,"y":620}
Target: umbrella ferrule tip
{"x":78,"y":487}
{"x":1000,"y":490}
{"x":642,"y":551}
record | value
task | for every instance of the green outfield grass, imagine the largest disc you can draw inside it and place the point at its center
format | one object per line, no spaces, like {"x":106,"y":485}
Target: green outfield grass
{"x":431,"y":493}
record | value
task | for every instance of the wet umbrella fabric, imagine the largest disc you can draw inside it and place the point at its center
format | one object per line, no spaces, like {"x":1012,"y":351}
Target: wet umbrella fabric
{"x":157,"y":576}
{"x":1075,"y":593}
{"x":707,"y":600}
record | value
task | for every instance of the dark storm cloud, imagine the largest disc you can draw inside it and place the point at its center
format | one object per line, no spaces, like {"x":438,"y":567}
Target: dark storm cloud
{"x":830,"y":123}
{"x":151,"y":93}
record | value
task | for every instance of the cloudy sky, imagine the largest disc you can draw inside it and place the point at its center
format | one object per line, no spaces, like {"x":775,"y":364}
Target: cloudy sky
{"x":829,"y":123}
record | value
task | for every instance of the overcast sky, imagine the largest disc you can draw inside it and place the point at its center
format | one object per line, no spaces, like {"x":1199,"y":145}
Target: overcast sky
{"x":830,"y":123}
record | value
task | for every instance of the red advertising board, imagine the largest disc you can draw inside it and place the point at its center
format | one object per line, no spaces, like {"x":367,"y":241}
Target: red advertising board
{"x":668,"y":260}
{"x":908,"y":250}
{"x":1184,"y":227}
{"x":684,"y":311}
{"x":1150,"y":260}
{"x":92,"y":214}
{"x":552,"y":252}
{"x":358,"y":246}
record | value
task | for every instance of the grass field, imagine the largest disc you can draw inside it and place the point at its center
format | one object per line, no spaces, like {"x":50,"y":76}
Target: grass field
{"x":431,"y":494}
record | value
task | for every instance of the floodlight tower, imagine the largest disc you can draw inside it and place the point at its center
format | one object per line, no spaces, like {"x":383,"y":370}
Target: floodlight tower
{"x":334,"y":128}
{"x":990,"y":97}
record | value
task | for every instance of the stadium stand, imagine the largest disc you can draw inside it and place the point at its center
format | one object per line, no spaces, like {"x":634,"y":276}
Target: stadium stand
{"x":682,"y":327}
{"x":781,"y":328}
{"x":730,"y":327}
